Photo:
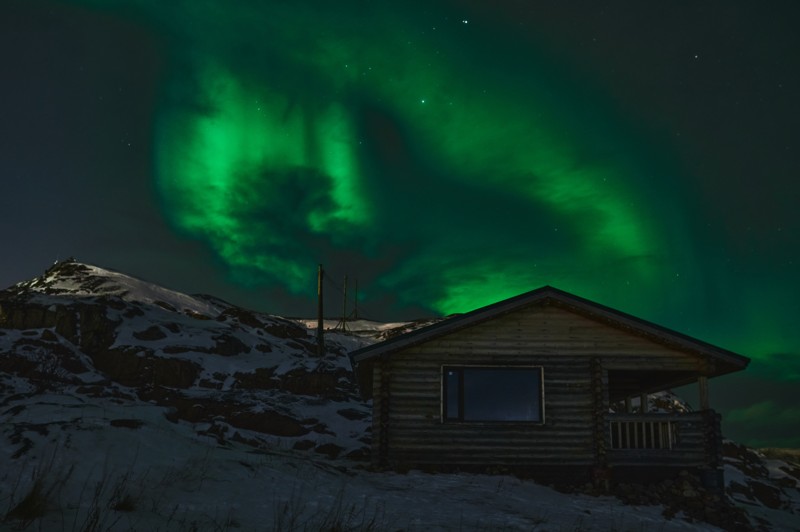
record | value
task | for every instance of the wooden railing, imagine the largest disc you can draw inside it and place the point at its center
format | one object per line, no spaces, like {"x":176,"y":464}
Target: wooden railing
{"x":691,"y":439}
{"x":638,"y":433}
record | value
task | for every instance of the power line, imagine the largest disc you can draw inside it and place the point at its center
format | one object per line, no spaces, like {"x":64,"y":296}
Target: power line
{"x":358,"y":307}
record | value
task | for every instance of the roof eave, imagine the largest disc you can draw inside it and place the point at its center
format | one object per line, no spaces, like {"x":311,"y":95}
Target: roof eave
{"x":674,"y":339}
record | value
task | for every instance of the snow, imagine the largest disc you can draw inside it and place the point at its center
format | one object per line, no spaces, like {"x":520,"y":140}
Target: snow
{"x":104,"y":456}
{"x":354,"y":326}
{"x":779,"y":487}
{"x":111,"y":283}
{"x":179,"y":480}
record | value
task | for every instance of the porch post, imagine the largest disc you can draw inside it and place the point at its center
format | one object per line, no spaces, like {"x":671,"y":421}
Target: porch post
{"x":702,"y":382}
{"x":601,"y":474}
{"x":643,"y":408}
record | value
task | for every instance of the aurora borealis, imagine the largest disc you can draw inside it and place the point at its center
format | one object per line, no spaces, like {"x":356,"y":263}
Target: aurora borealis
{"x":332,"y":141}
{"x":447,"y":154}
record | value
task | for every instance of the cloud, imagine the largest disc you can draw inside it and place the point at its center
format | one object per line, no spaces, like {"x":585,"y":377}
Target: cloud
{"x":767,"y":423}
{"x":778,"y":366}
{"x":759,"y":405}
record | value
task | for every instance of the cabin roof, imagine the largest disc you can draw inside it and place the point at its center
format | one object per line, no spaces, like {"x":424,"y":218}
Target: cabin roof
{"x":726,"y":361}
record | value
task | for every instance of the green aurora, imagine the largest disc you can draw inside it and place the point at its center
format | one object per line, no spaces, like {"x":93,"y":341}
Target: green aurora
{"x":376,"y":133}
{"x":453,"y":153}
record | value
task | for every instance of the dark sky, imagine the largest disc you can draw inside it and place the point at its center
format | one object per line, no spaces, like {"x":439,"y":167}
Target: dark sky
{"x":447,"y":154}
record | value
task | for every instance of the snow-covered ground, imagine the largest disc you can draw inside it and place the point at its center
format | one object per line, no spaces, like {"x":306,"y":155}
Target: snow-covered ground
{"x":163,"y":476}
{"x":127,"y":406}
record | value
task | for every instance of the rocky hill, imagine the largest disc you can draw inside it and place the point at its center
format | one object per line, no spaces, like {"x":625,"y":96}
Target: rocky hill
{"x":234,"y":374}
{"x":128,"y":406}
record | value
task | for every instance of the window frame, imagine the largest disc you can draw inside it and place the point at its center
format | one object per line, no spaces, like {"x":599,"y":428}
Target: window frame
{"x":444,"y":368}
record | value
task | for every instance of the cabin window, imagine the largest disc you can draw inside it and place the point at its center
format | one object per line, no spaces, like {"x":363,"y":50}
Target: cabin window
{"x":492,"y":393}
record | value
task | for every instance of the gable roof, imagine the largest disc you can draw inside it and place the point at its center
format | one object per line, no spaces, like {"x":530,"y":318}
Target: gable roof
{"x":725,"y":361}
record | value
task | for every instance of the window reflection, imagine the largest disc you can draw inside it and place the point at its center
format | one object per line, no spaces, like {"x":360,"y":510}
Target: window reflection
{"x":493,"y":394}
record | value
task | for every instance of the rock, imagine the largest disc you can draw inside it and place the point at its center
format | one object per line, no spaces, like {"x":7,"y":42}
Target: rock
{"x":353,"y":414}
{"x":196,"y":315}
{"x":321,"y":428}
{"x":67,"y":325}
{"x":179,"y":349}
{"x":165,"y":306}
{"x":151,"y":333}
{"x":227,"y":345}
{"x":132,"y":312}
{"x":242,"y":316}
{"x":210,"y":384}
{"x":362,"y":454}
{"x":261,"y":378}
{"x":127,"y":423}
{"x":134,"y":367}
{"x":286,"y":329}
{"x":302,"y":382}
{"x":330,"y":450}
{"x":769,"y":496}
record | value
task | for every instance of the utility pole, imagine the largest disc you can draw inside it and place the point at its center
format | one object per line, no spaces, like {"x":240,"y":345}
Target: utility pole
{"x":342,"y":325}
{"x":344,"y":306}
{"x":355,"y":302}
{"x":320,"y":320}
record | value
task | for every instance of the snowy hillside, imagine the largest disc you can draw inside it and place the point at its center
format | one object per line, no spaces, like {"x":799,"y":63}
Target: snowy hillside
{"x":236,"y":375}
{"x":128,"y":406}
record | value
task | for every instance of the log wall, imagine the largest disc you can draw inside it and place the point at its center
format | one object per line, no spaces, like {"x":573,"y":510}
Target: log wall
{"x":407,"y":427}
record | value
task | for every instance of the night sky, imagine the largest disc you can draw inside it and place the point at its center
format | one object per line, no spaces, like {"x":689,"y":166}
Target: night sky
{"x":447,"y":154}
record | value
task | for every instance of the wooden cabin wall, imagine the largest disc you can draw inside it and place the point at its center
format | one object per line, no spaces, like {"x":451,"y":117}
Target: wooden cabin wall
{"x":408,"y":431}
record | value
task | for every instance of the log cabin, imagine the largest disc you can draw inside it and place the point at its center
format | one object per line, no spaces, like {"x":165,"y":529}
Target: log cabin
{"x":541,"y":385}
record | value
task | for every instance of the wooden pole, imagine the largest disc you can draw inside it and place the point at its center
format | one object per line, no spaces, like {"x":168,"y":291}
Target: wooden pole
{"x":702,"y":383}
{"x":355,"y":302}
{"x":320,"y":319}
{"x":344,"y":306}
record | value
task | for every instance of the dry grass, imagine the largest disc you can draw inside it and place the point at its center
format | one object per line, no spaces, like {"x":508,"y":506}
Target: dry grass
{"x":787,"y":455}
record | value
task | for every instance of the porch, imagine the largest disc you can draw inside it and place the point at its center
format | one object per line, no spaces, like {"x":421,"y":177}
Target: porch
{"x":685,"y":440}
{"x":642,"y":439}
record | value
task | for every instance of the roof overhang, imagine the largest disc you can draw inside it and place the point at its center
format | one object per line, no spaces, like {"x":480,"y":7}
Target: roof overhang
{"x":722,"y":360}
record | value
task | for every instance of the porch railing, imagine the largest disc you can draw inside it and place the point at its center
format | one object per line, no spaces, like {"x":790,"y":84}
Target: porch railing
{"x":688,"y":439}
{"x":640,"y":433}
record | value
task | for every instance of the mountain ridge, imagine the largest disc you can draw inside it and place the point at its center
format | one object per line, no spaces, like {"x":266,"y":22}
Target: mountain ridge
{"x":138,"y":335}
